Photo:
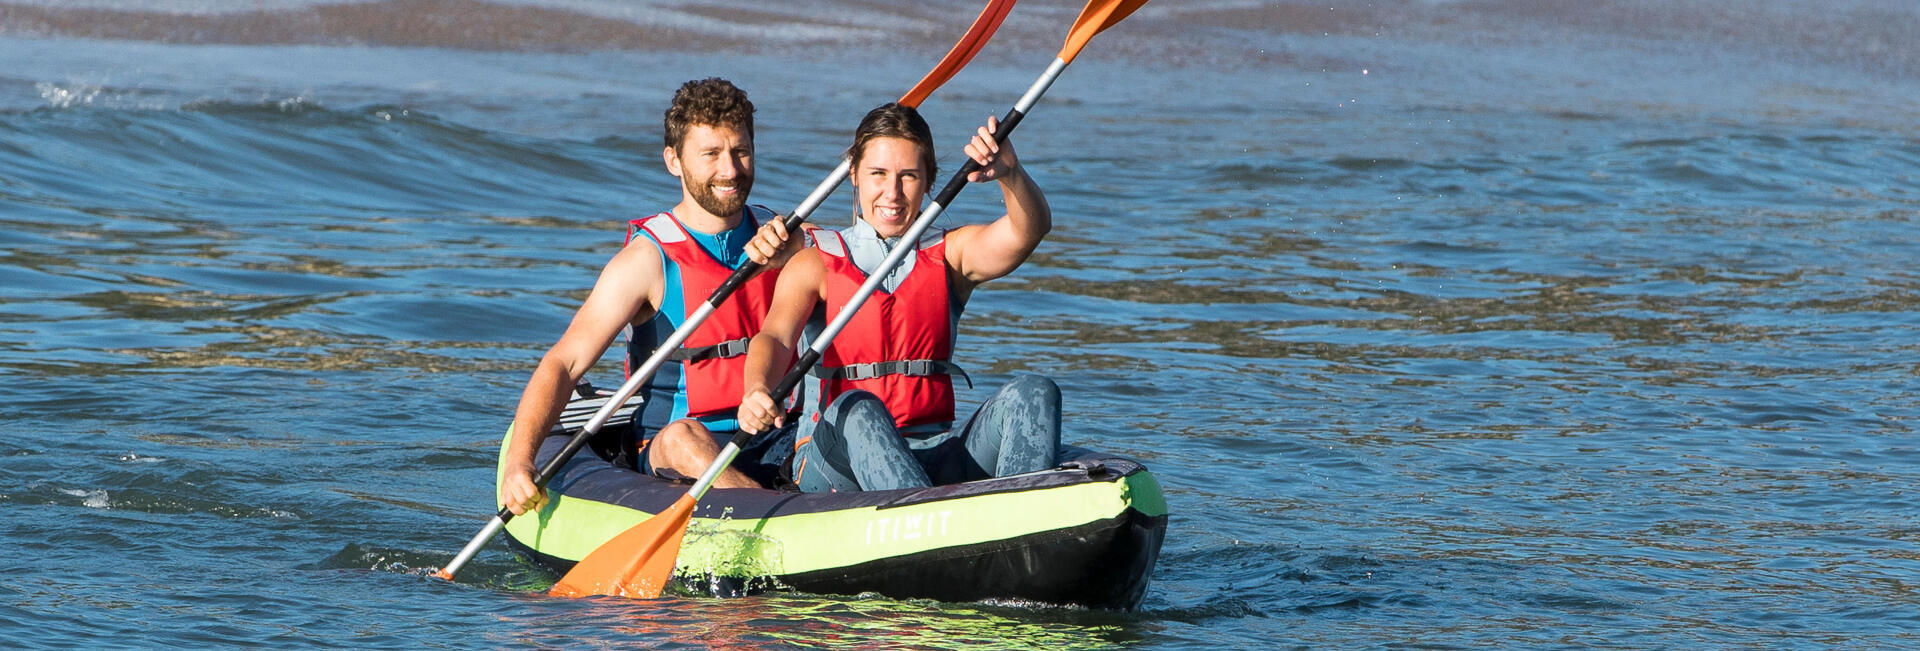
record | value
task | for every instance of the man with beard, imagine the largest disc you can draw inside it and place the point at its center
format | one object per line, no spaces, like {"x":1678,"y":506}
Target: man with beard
{"x":672,"y":262}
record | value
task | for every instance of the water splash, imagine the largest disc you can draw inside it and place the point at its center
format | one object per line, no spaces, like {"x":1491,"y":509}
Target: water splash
{"x":720,"y":560}
{"x":515,"y":575}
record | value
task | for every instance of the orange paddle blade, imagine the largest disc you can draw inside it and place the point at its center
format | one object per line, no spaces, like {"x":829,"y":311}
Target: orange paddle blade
{"x":1096,"y":18}
{"x":636,"y":563}
{"x":962,"y":52}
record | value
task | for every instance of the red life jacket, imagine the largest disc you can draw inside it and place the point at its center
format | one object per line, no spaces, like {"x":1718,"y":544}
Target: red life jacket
{"x":899,"y":344}
{"x":713,"y":359}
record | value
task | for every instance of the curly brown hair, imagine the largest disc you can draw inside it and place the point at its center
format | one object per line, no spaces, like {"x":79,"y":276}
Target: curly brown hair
{"x":713,"y":102}
{"x":895,"y":120}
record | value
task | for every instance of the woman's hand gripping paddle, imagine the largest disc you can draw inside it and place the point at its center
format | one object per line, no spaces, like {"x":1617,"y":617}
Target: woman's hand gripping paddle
{"x":640,"y":561}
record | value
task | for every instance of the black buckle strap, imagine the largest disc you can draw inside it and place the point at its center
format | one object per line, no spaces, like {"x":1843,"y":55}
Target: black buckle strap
{"x":722,"y":350}
{"x":908,"y":367}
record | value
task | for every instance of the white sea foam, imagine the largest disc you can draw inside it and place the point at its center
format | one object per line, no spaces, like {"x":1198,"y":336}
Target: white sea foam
{"x":93,"y":499}
{"x":69,"y":96}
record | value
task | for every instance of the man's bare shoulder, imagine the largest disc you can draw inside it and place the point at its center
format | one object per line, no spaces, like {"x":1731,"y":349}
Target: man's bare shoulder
{"x":634,"y":271}
{"x":637,"y":253}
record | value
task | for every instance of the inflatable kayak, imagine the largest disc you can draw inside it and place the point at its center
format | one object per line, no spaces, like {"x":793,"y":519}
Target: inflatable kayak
{"x":1086,"y":533}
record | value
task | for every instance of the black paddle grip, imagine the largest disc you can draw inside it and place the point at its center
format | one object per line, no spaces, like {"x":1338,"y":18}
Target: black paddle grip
{"x":733,"y":282}
{"x":740,"y":275}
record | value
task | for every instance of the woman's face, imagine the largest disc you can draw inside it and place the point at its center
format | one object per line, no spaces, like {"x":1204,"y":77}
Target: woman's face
{"x":891,"y":184}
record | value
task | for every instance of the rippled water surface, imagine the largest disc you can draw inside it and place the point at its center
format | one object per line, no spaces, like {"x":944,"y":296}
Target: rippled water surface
{"x":1453,"y":324}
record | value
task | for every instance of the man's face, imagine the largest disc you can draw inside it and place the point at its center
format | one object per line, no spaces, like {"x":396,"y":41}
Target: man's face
{"x":715,"y":166}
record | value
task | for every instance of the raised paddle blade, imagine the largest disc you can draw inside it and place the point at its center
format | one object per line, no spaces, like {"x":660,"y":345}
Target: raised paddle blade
{"x":1096,"y":18}
{"x":636,"y":563}
{"x":962,"y":52}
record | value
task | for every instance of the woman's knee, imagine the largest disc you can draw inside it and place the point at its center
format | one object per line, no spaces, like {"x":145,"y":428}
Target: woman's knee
{"x":852,"y":402}
{"x":868,"y":412}
{"x":1039,"y":388}
{"x":1031,"y":394}
{"x":860,"y":414}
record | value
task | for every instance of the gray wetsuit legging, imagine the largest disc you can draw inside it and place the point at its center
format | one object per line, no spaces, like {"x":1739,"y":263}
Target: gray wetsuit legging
{"x":853,"y":445}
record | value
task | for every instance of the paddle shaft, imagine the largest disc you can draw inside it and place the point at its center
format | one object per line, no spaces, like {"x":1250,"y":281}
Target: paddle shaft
{"x":809,"y":359}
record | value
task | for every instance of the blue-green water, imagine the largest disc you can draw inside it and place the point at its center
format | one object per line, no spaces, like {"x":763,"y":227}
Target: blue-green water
{"x":1444,"y":324}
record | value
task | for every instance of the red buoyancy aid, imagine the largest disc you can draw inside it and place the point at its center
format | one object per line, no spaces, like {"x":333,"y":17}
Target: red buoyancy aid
{"x":902,"y":340}
{"x":713,"y":358}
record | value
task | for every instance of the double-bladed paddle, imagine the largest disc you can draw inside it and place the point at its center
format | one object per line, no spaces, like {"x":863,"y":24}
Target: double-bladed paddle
{"x":640,"y":561}
{"x":957,"y":58}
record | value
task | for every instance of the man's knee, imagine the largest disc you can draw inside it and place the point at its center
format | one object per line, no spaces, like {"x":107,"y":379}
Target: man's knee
{"x":675,"y":444}
{"x":678,"y":434}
